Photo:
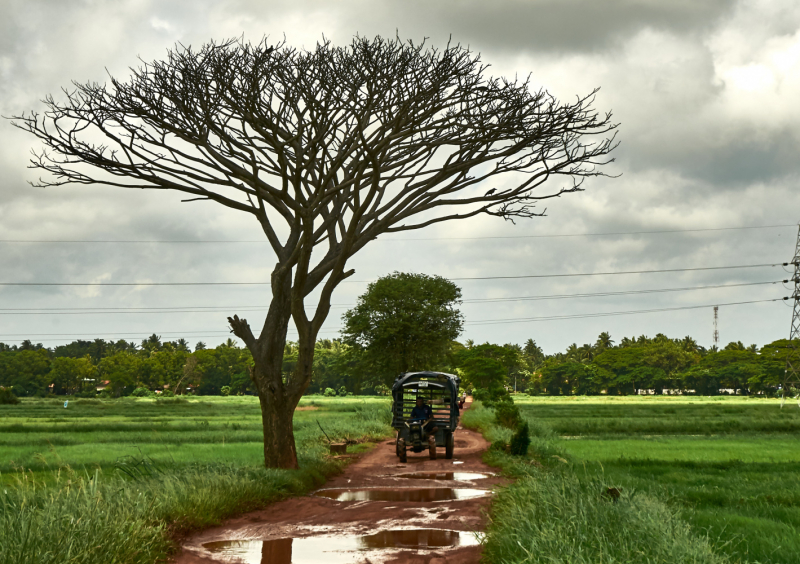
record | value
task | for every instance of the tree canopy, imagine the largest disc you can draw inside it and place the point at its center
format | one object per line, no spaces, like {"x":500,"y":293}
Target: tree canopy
{"x":404,"y":322}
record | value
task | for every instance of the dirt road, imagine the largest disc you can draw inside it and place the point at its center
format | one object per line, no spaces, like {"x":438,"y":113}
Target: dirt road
{"x":378,"y":510}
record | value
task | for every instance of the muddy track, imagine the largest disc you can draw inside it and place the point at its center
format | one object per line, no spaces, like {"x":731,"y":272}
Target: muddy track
{"x":373,"y":512}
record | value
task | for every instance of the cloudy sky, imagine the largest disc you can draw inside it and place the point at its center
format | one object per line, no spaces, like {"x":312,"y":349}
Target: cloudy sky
{"x":705,"y":92}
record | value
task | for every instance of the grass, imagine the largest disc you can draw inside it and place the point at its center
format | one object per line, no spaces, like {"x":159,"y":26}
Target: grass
{"x":551,"y":514}
{"x":724,"y":469}
{"x":118,"y":481}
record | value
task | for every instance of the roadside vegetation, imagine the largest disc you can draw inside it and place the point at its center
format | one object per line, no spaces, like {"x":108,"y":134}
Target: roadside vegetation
{"x":120,"y":480}
{"x":611,"y":488}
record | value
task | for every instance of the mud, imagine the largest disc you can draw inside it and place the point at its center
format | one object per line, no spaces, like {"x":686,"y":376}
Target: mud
{"x":415,"y":529}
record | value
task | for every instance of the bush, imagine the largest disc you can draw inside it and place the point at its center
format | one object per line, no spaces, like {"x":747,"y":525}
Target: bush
{"x":167,"y":394}
{"x":506,"y":414}
{"x":225,"y":390}
{"x":342,"y":391}
{"x":141,"y":393}
{"x":329,"y":392}
{"x":7,"y":397}
{"x":521,"y":440}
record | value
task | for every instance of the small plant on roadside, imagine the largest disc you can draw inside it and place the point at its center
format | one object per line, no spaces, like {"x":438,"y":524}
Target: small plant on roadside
{"x":521,"y":440}
{"x":141,"y":393}
{"x":507,"y":415}
{"x":329,"y":392}
{"x":7,"y":396}
{"x":167,"y":394}
{"x":342,"y":391}
{"x":225,"y":390}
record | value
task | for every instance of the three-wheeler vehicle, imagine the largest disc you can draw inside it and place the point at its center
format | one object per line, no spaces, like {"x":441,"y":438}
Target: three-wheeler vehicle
{"x":437,"y":390}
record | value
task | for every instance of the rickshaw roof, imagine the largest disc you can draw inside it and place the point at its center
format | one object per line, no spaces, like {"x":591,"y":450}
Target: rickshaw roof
{"x":408,"y":379}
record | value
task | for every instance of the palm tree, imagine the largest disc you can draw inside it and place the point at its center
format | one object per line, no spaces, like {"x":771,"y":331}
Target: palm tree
{"x":688,"y":344}
{"x":572,"y":352}
{"x":603,"y":342}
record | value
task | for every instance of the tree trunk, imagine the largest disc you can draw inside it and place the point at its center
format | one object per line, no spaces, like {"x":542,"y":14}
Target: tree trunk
{"x":277,"y":418}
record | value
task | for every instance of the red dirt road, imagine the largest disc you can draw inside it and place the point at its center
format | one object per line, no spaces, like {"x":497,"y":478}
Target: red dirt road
{"x":324,"y":522}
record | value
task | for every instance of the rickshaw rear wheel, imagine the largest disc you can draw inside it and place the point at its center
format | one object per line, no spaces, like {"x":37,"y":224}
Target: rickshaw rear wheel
{"x":450,"y":444}
{"x":401,"y":450}
{"x":432,"y":447}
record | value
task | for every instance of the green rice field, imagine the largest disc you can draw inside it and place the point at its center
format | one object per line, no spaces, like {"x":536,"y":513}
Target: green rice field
{"x":729,"y":465}
{"x":121,"y":480}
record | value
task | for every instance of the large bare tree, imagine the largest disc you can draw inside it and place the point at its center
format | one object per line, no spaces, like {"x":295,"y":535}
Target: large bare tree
{"x":326,"y":149}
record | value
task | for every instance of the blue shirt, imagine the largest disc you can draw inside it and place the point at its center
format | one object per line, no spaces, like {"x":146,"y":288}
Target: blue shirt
{"x":423,"y":411}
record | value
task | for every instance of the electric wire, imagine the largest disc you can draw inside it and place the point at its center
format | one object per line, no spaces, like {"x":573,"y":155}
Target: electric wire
{"x":252,"y":308}
{"x":213,"y":332}
{"x":550,"y":236}
{"x":612,"y":313}
{"x":463,"y":278}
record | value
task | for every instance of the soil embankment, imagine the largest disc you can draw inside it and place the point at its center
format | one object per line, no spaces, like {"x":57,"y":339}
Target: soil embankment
{"x":378,"y":510}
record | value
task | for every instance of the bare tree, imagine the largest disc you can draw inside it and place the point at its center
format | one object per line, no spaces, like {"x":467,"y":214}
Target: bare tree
{"x":326,"y":149}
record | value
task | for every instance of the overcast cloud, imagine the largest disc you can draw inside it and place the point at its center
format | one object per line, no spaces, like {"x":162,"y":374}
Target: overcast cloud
{"x":705,"y":93}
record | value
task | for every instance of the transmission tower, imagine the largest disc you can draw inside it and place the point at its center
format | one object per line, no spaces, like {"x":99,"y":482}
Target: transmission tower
{"x":791,"y":378}
{"x":716,"y":328}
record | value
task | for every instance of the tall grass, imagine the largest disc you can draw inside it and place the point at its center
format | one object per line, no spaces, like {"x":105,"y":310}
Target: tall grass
{"x":551,"y":514}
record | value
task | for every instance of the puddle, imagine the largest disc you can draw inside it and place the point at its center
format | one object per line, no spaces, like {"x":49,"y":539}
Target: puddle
{"x":461,"y":476}
{"x":336,"y":550}
{"x":419,"y":495}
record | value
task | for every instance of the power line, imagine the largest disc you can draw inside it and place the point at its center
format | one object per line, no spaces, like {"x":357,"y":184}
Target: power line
{"x":236,"y":241}
{"x":618,"y":272}
{"x":619,"y":293}
{"x":611,"y":313}
{"x":212,"y":332}
{"x":367,"y":281}
{"x":252,"y":308}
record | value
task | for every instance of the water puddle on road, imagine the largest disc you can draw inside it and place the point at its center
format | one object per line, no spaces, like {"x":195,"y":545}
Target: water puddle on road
{"x":418,"y":495}
{"x":460,"y":476}
{"x":337,"y":550}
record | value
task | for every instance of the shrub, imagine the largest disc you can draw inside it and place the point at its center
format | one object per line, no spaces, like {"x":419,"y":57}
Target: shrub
{"x":342,"y":391}
{"x":329,"y":392}
{"x":167,"y":394}
{"x":141,"y":393}
{"x":225,"y":390}
{"x":8,"y":397}
{"x":521,"y":440}
{"x":507,"y":415}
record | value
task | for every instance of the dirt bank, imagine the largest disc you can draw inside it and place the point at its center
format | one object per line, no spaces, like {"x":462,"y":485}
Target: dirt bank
{"x":385,"y":516}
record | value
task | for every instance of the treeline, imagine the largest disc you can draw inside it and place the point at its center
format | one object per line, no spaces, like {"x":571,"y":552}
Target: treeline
{"x":634,"y":365}
{"x":644,"y":365}
{"x":114,"y":369}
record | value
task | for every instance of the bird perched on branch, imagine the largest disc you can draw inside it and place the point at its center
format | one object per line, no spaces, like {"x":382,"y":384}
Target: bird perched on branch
{"x":490,"y":192}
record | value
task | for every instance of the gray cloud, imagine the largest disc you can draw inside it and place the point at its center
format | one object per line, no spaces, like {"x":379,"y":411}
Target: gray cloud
{"x":705,"y":92}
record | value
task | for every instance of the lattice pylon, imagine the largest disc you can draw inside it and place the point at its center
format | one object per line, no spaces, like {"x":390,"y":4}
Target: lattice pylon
{"x":791,"y":378}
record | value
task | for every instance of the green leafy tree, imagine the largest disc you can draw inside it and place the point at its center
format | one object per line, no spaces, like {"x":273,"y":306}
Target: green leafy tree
{"x":121,"y":370}
{"x":26,"y":371}
{"x":69,"y":375}
{"x":485,"y":368}
{"x":404,"y":322}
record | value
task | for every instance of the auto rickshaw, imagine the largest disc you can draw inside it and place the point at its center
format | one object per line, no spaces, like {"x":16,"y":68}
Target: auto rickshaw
{"x":440,"y":391}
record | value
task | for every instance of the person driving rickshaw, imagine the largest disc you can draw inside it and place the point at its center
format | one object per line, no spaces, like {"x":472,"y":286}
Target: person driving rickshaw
{"x":423,"y":412}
